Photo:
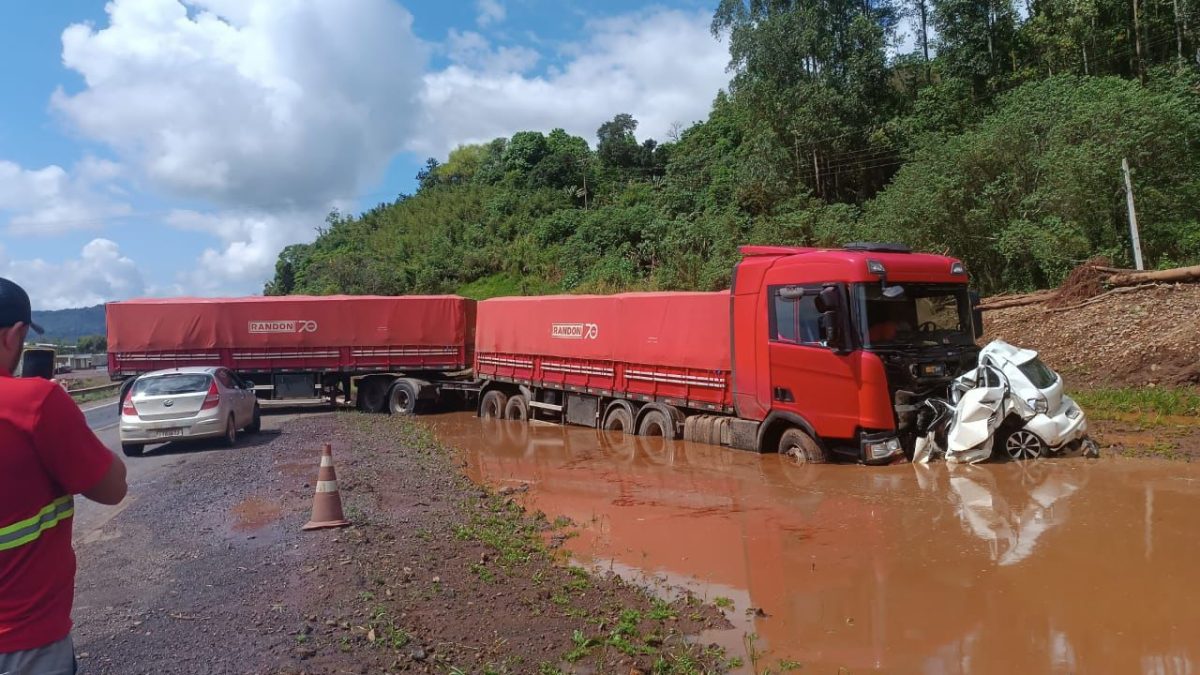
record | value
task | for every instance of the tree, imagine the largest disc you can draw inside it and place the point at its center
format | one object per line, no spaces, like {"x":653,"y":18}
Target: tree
{"x":618,"y":147}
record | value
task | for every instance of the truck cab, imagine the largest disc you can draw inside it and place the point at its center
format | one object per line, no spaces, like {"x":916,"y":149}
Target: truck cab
{"x":844,"y":344}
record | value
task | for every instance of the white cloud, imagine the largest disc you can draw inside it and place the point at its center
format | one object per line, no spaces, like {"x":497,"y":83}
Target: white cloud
{"x":490,"y":11}
{"x":52,"y":200}
{"x":251,"y":104}
{"x":100,"y":273}
{"x":250,"y":244}
{"x":471,"y":50}
{"x":661,"y":66}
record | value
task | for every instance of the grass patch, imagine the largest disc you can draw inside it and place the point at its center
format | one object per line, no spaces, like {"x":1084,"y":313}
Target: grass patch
{"x":1149,"y":402}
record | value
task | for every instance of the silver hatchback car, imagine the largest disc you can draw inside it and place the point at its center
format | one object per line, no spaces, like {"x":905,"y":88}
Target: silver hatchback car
{"x":187,"y":404}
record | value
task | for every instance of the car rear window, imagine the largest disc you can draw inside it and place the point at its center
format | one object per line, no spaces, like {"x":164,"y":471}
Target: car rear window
{"x":1038,"y":373}
{"x":172,"y":385}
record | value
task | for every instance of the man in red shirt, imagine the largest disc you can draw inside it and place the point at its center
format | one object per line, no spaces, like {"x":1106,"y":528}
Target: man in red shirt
{"x":47,"y":455}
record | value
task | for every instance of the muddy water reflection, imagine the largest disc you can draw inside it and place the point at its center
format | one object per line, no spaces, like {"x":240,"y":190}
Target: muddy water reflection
{"x":1057,"y":566}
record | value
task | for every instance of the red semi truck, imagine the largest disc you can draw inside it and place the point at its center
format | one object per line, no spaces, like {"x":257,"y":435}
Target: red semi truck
{"x":813,"y":352}
{"x":393,"y":348}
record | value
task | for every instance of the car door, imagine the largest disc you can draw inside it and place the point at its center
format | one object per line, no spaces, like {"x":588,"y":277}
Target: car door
{"x":249,"y":398}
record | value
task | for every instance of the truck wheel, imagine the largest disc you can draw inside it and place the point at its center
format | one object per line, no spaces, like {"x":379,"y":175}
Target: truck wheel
{"x":372,"y":396}
{"x":619,"y":419}
{"x":655,"y":423}
{"x":403,"y":399}
{"x":492,"y":405}
{"x":516,"y":409}
{"x":797,"y":444}
{"x":132,"y":449}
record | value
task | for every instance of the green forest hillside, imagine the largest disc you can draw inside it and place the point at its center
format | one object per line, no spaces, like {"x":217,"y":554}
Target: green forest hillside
{"x":998,"y":140}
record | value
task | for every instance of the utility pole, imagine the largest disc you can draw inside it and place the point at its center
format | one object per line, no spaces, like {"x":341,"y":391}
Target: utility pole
{"x":1133,"y":228}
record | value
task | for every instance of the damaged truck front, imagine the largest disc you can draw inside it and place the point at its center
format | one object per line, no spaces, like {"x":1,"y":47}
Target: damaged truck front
{"x":893,"y":329}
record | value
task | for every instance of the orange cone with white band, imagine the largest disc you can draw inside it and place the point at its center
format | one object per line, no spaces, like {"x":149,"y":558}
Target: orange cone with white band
{"x":327,"y":503}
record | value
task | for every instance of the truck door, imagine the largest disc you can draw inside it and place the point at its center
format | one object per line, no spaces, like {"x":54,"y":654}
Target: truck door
{"x":807,"y":377}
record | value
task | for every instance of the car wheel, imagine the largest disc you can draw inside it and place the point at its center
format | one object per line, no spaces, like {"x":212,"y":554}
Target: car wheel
{"x":803,"y":448}
{"x":492,"y":405}
{"x":132,"y":449}
{"x":516,"y":409}
{"x":1023,"y":444}
{"x":255,"y":425}
{"x":231,"y":432}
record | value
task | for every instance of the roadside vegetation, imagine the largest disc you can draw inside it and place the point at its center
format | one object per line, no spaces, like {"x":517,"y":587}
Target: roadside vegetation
{"x":443,"y":568}
{"x":1144,"y":403}
{"x":998,"y":138}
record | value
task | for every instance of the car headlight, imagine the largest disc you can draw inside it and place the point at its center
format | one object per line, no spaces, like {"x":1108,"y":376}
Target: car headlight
{"x":1074,"y":412}
{"x":1039,"y":405}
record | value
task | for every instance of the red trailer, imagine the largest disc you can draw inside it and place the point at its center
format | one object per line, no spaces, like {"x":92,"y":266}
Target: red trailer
{"x":814,"y":351}
{"x":672,"y":347}
{"x":301,"y":346}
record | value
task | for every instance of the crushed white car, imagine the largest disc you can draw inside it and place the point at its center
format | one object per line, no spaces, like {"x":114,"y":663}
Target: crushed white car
{"x":1011,"y":403}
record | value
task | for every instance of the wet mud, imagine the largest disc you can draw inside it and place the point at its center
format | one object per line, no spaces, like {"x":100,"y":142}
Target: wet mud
{"x":1067,"y":565}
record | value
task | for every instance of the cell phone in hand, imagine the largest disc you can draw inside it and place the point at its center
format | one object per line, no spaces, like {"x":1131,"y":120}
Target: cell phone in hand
{"x":38,"y":363}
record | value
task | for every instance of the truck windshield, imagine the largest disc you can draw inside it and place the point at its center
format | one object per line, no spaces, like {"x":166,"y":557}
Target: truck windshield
{"x":913,"y":315}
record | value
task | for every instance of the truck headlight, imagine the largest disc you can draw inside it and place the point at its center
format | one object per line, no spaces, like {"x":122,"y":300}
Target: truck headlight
{"x":881,"y":449}
{"x":1040,"y":405}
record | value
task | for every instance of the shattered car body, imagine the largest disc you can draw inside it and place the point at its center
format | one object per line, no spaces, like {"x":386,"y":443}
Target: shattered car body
{"x":1011,"y":403}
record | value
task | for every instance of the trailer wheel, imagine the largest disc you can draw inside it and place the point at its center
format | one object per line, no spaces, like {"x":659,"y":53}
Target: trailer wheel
{"x":655,"y":423}
{"x":619,"y":419}
{"x":403,"y":398}
{"x":372,"y":395}
{"x":492,"y":405}
{"x":516,"y":409}
{"x":797,"y":444}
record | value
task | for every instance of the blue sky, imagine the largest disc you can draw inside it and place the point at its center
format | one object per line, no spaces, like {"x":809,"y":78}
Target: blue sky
{"x":173,"y":147}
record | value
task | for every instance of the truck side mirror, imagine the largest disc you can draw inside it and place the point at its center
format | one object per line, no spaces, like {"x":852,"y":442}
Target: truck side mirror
{"x":829,"y":330}
{"x":829,"y":300}
{"x":976,"y":314}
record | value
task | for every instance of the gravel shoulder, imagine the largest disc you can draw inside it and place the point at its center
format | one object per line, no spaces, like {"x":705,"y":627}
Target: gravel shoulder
{"x":207,"y":571}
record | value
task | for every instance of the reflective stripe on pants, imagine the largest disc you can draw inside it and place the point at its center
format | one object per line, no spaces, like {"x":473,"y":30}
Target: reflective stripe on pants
{"x":25,"y":531}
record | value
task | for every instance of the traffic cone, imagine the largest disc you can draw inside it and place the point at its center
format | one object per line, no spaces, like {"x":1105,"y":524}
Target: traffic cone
{"x":327,"y":503}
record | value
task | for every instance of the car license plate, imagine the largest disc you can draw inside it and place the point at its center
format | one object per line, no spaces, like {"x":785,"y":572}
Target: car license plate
{"x":168,"y":433}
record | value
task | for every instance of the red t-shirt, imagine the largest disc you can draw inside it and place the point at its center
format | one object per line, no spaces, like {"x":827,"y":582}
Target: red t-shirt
{"x":47,"y":454}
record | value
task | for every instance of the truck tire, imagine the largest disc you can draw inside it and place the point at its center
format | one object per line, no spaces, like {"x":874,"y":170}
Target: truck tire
{"x":132,"y":449}
{"x":402,"y":400}
{"x":618,"y":419}
{"x":797,"y":444}
{"x":372,"y":396}
{"x":492,"y":405}
{"x":516,"y":409}
{"x":656,"y":423}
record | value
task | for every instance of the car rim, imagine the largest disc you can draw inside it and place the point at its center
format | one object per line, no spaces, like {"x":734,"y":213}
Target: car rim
{"x":1023,"y":445}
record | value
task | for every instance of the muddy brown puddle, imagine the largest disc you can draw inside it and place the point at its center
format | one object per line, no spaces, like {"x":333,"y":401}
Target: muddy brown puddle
{"x":1065,"y":565}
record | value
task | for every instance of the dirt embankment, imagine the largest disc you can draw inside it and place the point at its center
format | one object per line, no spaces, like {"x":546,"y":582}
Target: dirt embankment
{"x":209,"y":572}
{"x":1147,"y":336}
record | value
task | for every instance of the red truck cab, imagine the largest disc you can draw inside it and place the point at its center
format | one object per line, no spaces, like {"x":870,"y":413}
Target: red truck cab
{"x":845,"y":343}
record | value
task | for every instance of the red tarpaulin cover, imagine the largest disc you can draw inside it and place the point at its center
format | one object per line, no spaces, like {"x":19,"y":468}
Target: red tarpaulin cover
{"x":289,"y":321}
{"x":689,"y":330}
